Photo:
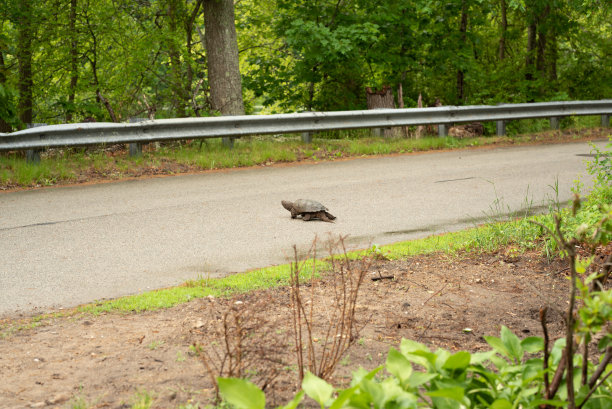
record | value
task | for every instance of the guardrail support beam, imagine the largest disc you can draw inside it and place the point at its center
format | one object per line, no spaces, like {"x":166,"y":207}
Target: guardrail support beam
{"x":500,"y":128}
{"x":135,"y":149}
{"x":33,"y":155}
{"x":307,"y":137}
{"x":228,"y":142}
{"x":605,"y":121}
{"x":442,"y":131}
{"x":554,"y":122}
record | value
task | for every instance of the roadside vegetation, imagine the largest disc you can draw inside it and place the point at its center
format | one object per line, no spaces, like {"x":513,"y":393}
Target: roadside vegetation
{"x":535,"y":372}
{"x":82,"y":165}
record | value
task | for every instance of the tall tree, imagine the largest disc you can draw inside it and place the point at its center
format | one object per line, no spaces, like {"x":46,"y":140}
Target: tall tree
{"x":24,"y":56}
{"x":74,"y":56}
{"x":503,"y":24}
{"x":462,"y":31}
{"x":222,"y":53}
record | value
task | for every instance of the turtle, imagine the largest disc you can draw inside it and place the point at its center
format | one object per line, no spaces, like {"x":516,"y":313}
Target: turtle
{"x":308,"y":209}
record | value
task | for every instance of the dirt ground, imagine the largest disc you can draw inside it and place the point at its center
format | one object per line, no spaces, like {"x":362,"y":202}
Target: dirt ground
{"x":442,"y":301}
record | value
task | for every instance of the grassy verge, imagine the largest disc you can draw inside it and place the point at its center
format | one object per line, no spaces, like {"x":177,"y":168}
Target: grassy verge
{"x":78,"y":165}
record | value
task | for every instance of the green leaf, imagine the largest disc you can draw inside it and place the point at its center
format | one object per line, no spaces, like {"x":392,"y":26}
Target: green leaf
{"x":419,"y":378}
{"x":533,"y":344}
{"x":343,"y":397}
{"x":361,"y":373}
{"x":497,"y":345}
{"x":425,"y":359}
{"x":460,"y":360}
{"x":501,"y":404}
{"x":408,"y":346}
{"x":512,"y":343}
{"x":480,"y":357}
{"x":297,"y":399}
{"x":241,"y":394}
{"x":376,"y":392}
{"x":317,"y":388}
{"x":455,"y":393}
{"x":398,"y":365}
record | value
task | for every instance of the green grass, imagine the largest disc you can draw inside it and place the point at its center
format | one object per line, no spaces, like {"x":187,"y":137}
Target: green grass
{"x":234,"y":284}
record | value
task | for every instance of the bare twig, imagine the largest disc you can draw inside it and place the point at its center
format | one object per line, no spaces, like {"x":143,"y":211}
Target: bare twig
{"x":382,"y":277}
{"x":543,"y":312}
{"x":339,"y":332}
{"x":602,"y":367}
{"x":436,"y":293}
{"x":594,"y":388}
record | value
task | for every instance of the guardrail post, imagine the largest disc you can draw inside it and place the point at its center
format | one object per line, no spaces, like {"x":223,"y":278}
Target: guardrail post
{"x":307,"y":137}
{"x":377,"y":132}
{"x":135,"y":148}
{"x":442,"y":130}
{"x":33,"y":155}
{"x":554,"y":122}
{"x":228,"y":142}
{"x":500,"y":128}
{"x":605,"y":121}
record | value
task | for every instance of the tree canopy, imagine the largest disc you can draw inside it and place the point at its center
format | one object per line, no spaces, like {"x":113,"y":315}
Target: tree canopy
{"x":76,"y":60}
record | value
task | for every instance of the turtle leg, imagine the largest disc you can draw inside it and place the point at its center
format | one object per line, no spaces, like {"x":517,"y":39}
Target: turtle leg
{"x":325,"y":217}
{"x":294,"y":214}
{"x":306,"y":217}
{"x":330,"y":216}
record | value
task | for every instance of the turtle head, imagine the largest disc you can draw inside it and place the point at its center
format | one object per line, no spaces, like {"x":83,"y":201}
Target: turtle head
{"x":287,"y":205}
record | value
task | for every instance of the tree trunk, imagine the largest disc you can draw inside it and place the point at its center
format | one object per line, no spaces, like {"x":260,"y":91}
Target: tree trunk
{"x":4,"y":125}
{"x":24,"y":57}
{"x":462,"y":30}
{"x":74,"y":67}
{"x":420,"y":129}
{"x":382,"y":99}
{"x":552,"y":57}
{"x":222,"y":55}
{"x":504,"y":30}
{"x":179,"y":101}
{"x":189,"y":22}
{"x":531,"y":45}
{"x":542,"y":40}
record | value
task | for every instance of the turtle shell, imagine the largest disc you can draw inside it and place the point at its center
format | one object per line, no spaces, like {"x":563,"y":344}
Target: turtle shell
{"x":308,"y":206}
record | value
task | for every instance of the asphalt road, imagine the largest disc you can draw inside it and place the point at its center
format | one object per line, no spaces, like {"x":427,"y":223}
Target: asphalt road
{"x":60,"y":247}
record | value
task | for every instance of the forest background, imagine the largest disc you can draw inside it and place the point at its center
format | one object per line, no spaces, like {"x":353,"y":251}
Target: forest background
{"x":113,"y":60}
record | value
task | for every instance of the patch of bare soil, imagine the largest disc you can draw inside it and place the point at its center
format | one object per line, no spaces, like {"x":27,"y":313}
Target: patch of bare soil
{"x":433,"y":299}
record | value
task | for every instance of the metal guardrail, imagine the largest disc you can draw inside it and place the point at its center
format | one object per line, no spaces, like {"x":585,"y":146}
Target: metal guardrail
{"x":82,"y":134}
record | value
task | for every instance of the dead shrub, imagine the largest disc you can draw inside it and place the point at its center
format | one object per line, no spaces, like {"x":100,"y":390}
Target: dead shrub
{"x":240,"y":341}
{"x":320,"y":342}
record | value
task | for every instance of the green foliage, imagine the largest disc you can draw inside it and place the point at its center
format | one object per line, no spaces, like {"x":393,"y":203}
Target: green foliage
{"x":147,"y":57}
{"x":508,"y":376}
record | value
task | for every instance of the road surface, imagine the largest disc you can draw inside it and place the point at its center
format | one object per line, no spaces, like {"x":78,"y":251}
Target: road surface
{"x":60,"y":247}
